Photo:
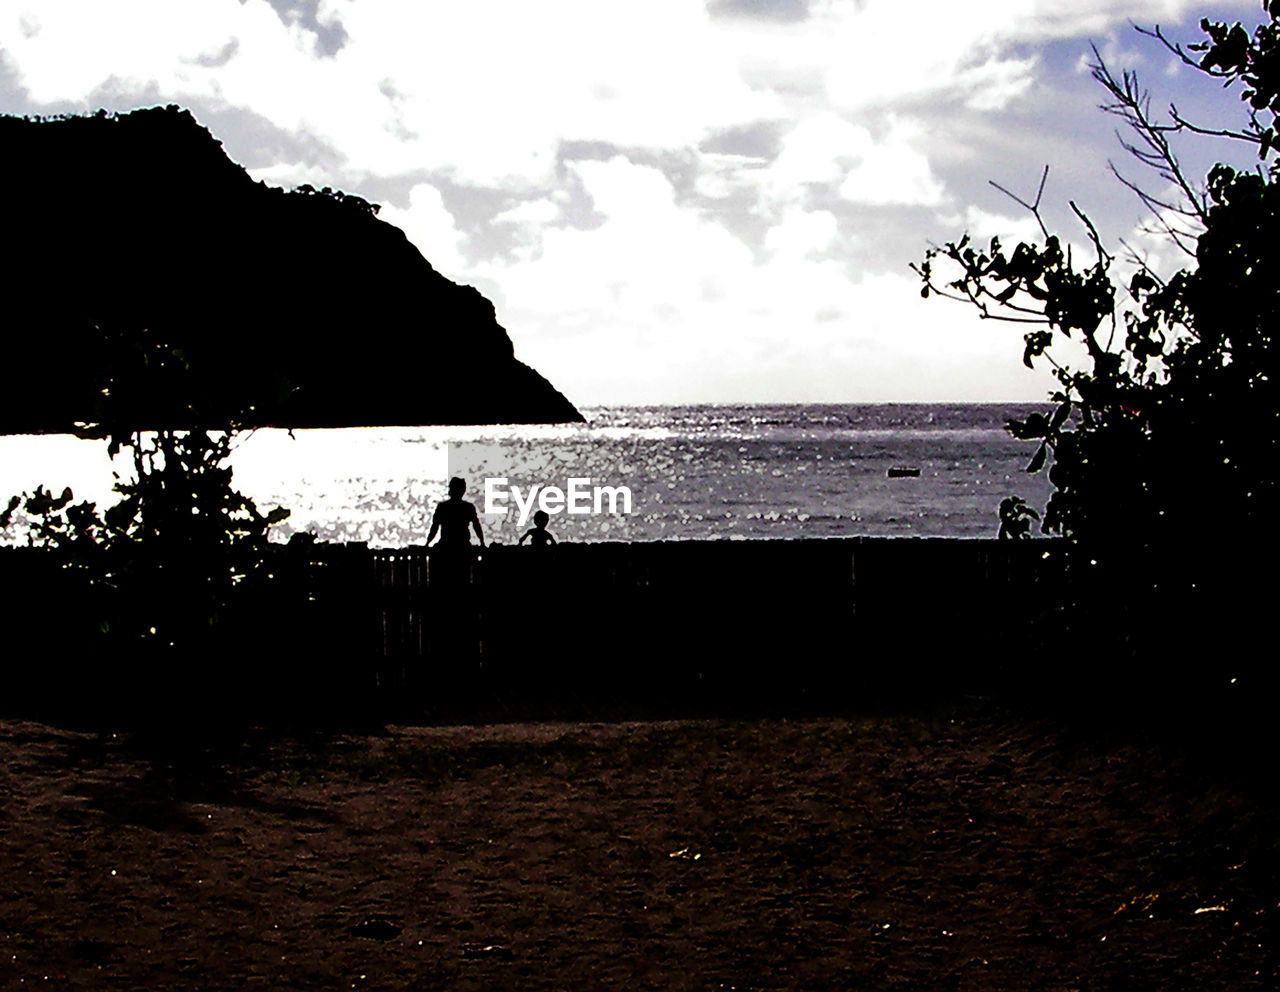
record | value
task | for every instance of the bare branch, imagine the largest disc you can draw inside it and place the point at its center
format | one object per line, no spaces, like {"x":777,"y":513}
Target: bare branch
{"x":1033,"y":207}
{"x":1104,"y":256}
{"x":1133,"y":105}
{"x":1182,"y":124}
{"x":1180,"y":52}
{"x":985,"y":314}
{"x":1148,"y":199}
{"x":1017,"y":308}
{"x":1183,"y":240}
{"x":1140,"y":262}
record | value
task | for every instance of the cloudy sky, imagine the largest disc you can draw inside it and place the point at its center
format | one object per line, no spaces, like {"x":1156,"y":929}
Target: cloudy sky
{"x":667,"y":201}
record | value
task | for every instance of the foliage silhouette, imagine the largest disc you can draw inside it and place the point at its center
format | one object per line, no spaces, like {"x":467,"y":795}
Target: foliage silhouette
{"x":166,"y":577}
{"x":1162,"y":451}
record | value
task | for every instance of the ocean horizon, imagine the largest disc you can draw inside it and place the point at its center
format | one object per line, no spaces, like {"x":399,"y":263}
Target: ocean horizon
{"x":694,"y":472}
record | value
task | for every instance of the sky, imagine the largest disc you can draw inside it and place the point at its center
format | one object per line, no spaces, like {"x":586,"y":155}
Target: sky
{"x":672,"y":201}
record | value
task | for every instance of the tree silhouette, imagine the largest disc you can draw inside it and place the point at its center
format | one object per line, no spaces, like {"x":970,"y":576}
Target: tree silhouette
{"x":165,"y":566}
{"x":1162,"y":450}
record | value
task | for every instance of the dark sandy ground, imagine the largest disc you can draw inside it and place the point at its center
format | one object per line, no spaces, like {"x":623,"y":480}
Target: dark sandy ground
{"x":970,"y":850}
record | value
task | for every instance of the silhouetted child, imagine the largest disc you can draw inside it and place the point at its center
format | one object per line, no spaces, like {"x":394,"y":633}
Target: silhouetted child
{"x":541,"y":536}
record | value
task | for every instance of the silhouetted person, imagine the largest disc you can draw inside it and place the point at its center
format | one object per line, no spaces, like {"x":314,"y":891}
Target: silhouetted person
{"x":541,"y":536}
{"x":453,"y":519}
{"x":450,"y":576}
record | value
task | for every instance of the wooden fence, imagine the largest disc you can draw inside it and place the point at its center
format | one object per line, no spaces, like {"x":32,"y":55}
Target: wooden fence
{"x":664,"y":621}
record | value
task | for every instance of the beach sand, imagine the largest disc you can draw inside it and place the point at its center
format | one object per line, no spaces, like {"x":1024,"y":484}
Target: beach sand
{"x":955,"y":850}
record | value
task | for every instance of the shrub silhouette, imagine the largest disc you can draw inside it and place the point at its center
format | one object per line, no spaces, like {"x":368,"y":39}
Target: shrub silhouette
{"x":168,"y":576}
{"x":1162,"y":450}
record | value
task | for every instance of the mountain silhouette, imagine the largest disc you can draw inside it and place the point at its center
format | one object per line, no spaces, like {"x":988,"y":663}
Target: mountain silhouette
{"x":151,"y":282}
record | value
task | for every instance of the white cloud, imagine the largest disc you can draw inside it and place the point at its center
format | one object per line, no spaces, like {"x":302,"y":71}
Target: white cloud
{"x":801,"y":234}
{"x":431,"y":228}
{"x":531,"y":213}
{"x":649,"y":255}
{"x":1038,"y":20}
{"x":492,"y":89}
{"x":721,"y":175}
{"x":897,"y":48}
{"x":995,"y":84}
{"x":818,"y":149}
{"x":891,"y":170}
{"x":861,"y":54}
{"x":289,"y":175}
{"x":486,"y":89}
{"x":658,"y":301}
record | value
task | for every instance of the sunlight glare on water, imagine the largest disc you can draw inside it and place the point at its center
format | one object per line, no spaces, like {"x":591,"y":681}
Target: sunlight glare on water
{"x":695,"y":472}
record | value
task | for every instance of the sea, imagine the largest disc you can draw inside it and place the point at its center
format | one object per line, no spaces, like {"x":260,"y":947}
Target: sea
{"x":728,"y":472}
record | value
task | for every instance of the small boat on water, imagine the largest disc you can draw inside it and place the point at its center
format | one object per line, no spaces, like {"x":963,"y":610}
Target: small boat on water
{"x":903,"y":472}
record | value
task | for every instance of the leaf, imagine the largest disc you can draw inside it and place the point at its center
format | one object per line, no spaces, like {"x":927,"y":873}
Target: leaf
{"x":1034,"y":426}
{"x":1037,"y":342}
{"x":1037,"y":460}
{"x":1141,"y":283}
{"x":1060,"y":416}
{"x":8,"y":511}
